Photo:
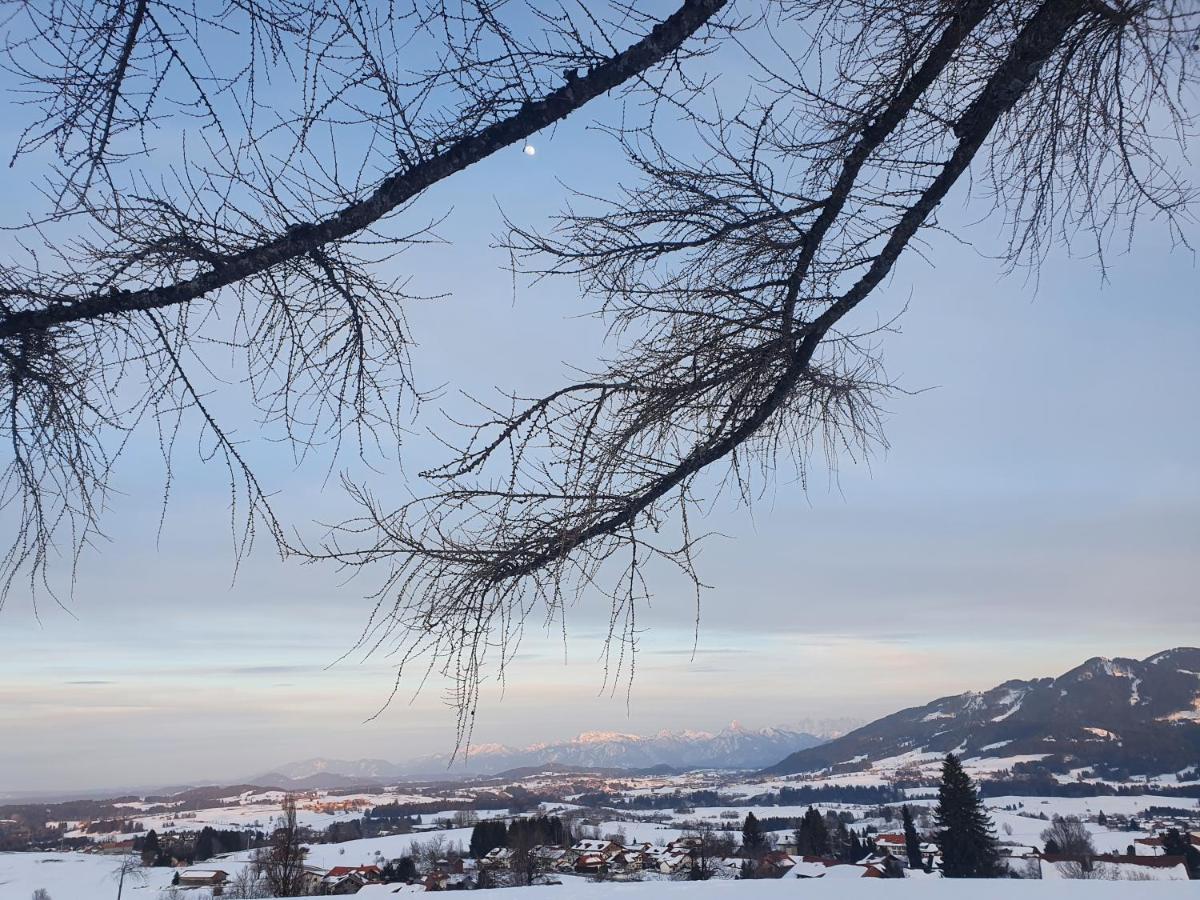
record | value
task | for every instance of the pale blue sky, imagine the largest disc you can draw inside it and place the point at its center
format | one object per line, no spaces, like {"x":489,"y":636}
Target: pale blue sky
{"x":1040,"y":504}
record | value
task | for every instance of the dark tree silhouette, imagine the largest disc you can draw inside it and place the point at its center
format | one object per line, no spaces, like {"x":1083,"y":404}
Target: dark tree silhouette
{"x":965,"y":835}
{"x":728,"y":275}
{"x":265,"y":233}
{"x":729,"y":270}
{"x":912,"y":842}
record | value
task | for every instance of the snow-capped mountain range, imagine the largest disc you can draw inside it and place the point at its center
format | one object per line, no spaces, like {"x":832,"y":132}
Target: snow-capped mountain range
{"x":734,"y":747}
{"x":1139,"y":716}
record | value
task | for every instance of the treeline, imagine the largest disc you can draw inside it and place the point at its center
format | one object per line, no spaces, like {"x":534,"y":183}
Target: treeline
{"x":112,"y":826}
{"x":803,"y":795}
{"x":380,"y":826}
{"x":674,"y":800}
{"x":864,"y":795}
{"x":194,"y":847}
{"x":829,"y":836}
{"x":1047,"y":786}
{"x":791,"y":823}
{"x":406,"y":810}
{"x":519,"y":833}
{"x":1171,"y":812}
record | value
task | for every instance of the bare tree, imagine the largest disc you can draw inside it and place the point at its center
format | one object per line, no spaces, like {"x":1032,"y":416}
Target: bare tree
{"x":280,"y":864}
{"x":1069,"y":836}
{"x":729,"y":276}
{"x":128,"y":869}
{"x":248,"y":884}
{"x":707,"y":847}
{"x":728,"y":279}
{"x":251,"y":254}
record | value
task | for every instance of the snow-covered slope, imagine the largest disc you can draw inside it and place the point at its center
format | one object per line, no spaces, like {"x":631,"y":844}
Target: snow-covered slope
{"x":1142,"y":716}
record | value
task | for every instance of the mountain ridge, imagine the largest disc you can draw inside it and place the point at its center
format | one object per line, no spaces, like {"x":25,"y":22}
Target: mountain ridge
{"x":1140,"y":716}
{"x":733,"y":747}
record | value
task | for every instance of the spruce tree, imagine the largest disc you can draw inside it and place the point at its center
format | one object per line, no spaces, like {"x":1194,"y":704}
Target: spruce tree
{"x":812,"y":837}
{"x":965,"y":834}
{"x":912,"y":843}
{"x":754,"y":842}
{"x":150,"y":848}
{"x":840,"y":843}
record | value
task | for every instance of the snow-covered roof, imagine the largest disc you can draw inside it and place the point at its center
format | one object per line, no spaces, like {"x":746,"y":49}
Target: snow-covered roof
{"x":588,"y":845}
{"x":203,"y":873}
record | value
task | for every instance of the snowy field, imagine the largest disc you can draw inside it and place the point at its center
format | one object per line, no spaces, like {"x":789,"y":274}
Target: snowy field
{"x":75,"y":876}
{"x":819,"y":889}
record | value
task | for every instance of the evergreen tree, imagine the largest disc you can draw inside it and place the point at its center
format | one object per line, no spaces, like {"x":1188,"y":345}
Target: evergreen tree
{"x":204,"y":847}
{"x":1102,"y":819}
{"x":1175,"y":843}
{"x":965,"y":834}
{"x":486,"y":836}
{"x":754,"y":841}
{"x":912,"y":843}
{"x":812,"y":837}
{"x":150,"y":848}
{"x":854,"y":847}
{"x":840,"y":843}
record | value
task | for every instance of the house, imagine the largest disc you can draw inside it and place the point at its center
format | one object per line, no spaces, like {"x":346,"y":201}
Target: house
{"x":627,"y":860}
{"x":773,"y":864}
{"x":341,"y":880}
{"x":607,"y":848}
{"x":459,"y":881}
{"x":1114,"y":867}
{"x":340,"y":885}
{"x":367,"y":873}
{"x":1148,"y":846}
{"x":210,"y":878}
{"x":826,"y":867}
{"x":311,"y":880}
{"x":893,"y":843}
{"x":546,"y":856}
{"x":674,"y":862}
{"x":726,"y":867}
{"x":498,"y":857}
{"x":590,"y":863}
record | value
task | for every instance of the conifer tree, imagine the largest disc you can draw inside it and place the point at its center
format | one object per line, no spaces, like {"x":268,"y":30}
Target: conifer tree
{"x":839,"y":839}
{"x":965,"y":834}
{"x":912,"y":843}
{"x":854,"y":847}
{"x":150,"y":848}
{"x":812,"y":837}
{"x":754,"y":842}
{"x":1175,"y":843}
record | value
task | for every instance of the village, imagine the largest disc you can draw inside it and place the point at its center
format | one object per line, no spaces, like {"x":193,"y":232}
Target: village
{"x":666,"y":838}
{"x":690,"y":858}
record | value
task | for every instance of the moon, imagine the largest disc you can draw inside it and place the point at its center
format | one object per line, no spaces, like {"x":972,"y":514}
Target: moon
{"x":529,"y":150}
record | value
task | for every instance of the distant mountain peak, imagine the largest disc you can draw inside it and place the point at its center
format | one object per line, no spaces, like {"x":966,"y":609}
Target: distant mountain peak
{"x":734,"y":747}
{"x":602,"y":737}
